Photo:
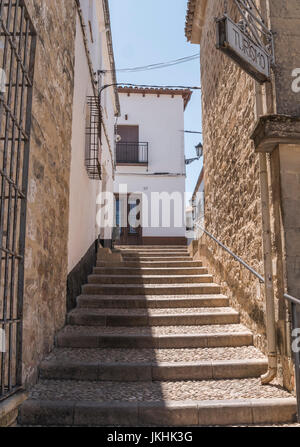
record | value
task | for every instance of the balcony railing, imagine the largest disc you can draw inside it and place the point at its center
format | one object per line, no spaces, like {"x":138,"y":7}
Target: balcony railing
{"x":132,"y":153}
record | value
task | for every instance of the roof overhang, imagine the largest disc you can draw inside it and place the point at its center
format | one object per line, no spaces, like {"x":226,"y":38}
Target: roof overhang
{"x":195,"y":20}
{"x":185,"y":93}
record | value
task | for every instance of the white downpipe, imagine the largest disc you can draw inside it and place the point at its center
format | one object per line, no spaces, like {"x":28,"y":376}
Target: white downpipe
{"x":269,"y":289}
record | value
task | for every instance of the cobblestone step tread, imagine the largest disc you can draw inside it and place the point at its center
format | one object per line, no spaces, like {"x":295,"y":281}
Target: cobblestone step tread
{"x":156,"y":264}
{"x":150,"y":271}
{"x":152,"y":371}
{"x":156,"y":355}
{"x":176,"y":337}
{"x":151,"y":302}
{"x":147,"y":289}
{"x":158,"y":331}
{"x":104,"y":317}
{"x":156,"y":312}
{"x":152,"y":276}
{"x":156,"y":391}
{"x":161,"y":413}
{"x":149,"y":279}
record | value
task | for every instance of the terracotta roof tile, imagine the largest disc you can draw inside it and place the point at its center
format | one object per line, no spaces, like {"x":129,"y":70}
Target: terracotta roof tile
{"x":185,"y":93}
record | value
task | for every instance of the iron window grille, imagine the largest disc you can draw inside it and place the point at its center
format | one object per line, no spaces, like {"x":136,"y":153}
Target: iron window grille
{"x":92,"y":149}
{"x":17,"y":55}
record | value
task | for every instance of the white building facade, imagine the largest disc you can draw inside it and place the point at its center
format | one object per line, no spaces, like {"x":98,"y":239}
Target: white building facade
{"x":198,"y":205}
{"x":150,"y":167}
{"x":92,"y":162}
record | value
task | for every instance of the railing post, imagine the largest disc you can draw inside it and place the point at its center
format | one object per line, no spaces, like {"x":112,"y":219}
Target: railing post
{"x":268,"y":267}
{"x":296,"y":325}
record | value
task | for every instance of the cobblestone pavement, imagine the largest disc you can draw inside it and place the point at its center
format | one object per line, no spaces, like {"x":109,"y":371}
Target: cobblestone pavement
{"x":156,"y":391}
{"x":151,"y":312}
{"x":163,"y":330}
{"x":156,"y":355}
{"x":128,"y":391}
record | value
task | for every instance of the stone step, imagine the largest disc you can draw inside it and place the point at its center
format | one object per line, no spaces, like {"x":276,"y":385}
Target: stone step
{"x":139,"y":255}
{"x":152,"y":264}
{"x":151,"y":302}
{"x":153,"y":251}
{"x":163,"y":337}
{"x":106,"y":318}
{"x":149,"y":279}
{"x":181,"y":403}
{"x":144,"y":372}
{"x":107,"y":355}
{"x":153,"y":254}
{"x":151,"y":247}
{"x":139,"y":259}
{"x":150,"y":289}
{"x":131,"y":271}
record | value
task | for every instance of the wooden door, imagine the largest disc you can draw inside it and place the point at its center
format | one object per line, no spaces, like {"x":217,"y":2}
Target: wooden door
{"x":128,"y":148}
{"x":130,"y":234}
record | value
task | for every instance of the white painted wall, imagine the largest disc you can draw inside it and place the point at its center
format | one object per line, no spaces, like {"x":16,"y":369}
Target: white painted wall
{"x":83,"y":229}
{"x":199,"y":209}
{"x":189,"y":222}
{"x":161,"y":124}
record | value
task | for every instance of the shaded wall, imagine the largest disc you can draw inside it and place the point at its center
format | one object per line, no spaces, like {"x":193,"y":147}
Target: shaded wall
{"x":232,"y":190}
{"x":48,"y":193}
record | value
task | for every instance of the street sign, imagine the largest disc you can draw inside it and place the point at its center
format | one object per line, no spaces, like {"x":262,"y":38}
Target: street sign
{"x":239,"y":46}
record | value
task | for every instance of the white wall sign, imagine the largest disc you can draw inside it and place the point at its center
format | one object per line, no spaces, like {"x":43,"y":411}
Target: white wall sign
{"x":251,"y":57}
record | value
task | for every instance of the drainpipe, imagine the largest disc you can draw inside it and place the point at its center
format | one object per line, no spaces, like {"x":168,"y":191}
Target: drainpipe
{"x":269,"y":289}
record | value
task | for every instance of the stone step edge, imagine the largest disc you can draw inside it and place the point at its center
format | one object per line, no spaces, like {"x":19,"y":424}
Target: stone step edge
{"x":112,"y":320}
{"x":151,"y":371}
{"x":146,"y":264}
{"x":152,"y":253}
{"x":147,"y":302}
{"x":179,"y":341}
{"x":149,"y":280}
{"x":153,"y":258}
{"x":211,"y":286}
{"x":151,"y":289}
{"x":203,"y":297}
{"x":167,"y":413}
{"x":102,"y":276}
{"x":137,"y":271}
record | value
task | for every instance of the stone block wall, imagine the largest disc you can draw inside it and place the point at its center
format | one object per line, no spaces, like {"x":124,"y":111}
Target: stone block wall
{"x":232,"y":190}
{"x":49,"y":172}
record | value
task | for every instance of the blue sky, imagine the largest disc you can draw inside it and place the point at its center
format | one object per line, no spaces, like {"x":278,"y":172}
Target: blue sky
{"x":152,"y":31}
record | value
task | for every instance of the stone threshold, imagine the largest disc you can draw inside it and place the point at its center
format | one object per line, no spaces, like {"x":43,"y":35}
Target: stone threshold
{"x":168,"y":413}
{"x":9,"y":408}
{"x":141,"y":372}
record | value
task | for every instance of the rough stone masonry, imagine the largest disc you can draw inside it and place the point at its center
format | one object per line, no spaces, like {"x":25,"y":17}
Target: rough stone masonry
{"x":48,"y":189}
{"x":232,"y":189}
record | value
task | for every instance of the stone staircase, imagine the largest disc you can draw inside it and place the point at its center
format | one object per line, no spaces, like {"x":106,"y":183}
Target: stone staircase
{"x":153,"y":342}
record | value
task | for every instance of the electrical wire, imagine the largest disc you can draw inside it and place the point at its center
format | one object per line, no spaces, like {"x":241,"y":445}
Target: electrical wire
{"x":191,"y":131}
{"x":156,"y":66}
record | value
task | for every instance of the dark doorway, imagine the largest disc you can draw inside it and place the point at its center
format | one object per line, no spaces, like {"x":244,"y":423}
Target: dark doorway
{"x":128,"y":147}
{"x":128,"y":216}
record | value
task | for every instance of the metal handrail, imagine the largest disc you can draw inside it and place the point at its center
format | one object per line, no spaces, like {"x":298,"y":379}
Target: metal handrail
{"x":294,"y":303}
{"x":237,"y":258}
{"x":288,"y":297}
{"x":292,"y":299}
